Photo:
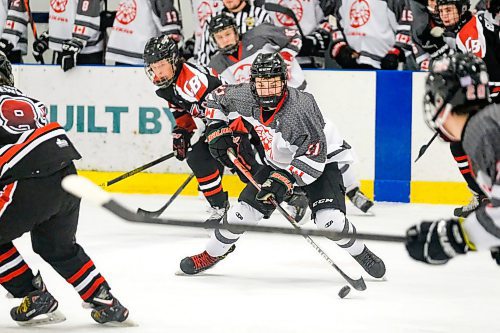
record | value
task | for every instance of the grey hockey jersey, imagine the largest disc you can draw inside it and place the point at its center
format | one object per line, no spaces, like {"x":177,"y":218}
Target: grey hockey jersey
{"x":373,"y":27}
{"x":481,"y":141}
{"x":135,"y":23}
{"x":295,"y":138}
{"x":265,"y":38}
{"x":76,"y":18}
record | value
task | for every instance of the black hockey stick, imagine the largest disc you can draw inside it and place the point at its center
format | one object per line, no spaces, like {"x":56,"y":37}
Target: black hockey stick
{"x":137,"y":170}
{"x":33,"y":28}
{"x":165,"y":206}
{"x":422,"y":150}
{"x":83,"y":188}
{"x":274,"y":7}
{"x":358,"y":284}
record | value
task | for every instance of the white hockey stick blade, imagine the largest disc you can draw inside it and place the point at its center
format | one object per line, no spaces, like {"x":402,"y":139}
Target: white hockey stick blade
{"x":44,"y":319}
{"x":82,"y":187}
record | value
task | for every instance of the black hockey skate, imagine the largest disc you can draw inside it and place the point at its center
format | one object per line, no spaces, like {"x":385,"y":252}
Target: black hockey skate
{"x":372,"y":264}
{"x":474,"y":203}
{"x":200,"y":262}
{"x":39,"y":307}
{"x":359,"y":199}
{"x":298,"y":203}
{"x":216,"y":215}
{"x":106,"y":308}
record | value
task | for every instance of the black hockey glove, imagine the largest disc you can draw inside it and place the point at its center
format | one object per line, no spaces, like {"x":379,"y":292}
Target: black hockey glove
{"x":187,"y":48}
{"x":220,"y":139}
{"x":315,"y":43}
{"x":181,"y":142}
{"x":278,"y":185}
{"x":70,"y":50}
{"x":344,"y":55}
{"x":436,"y":242}
{"x":5,"y":46}
{"x":392,"y":59}
{"x":495,"y":254}
{"x":40,"y":45}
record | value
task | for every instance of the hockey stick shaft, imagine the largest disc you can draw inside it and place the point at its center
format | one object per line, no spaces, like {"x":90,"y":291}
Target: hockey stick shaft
{"x":274,"y":7}
{"x":423,"y":149}
{"x":170,"y":200}
{"x":358,"y":284}
{"x":83,"y":188}
{"x":33,"y":26}
{"x":137,"y":170}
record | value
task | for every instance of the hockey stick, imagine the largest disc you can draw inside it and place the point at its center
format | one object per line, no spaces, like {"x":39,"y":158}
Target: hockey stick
{"x":137,"y":170}
{"x":33,"y":28}
{"x":422,"y":150}
{"x":165,"y":206}
{"x":274,"y":7}
{"x":358,"y":284}
{"x":83,"y":188}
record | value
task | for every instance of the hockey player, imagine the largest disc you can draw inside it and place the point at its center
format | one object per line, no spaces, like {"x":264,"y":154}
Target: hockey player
{"x":236,"y":53}
{"x":467,"y":117}
{"x":234,"y":59}
{"x":74,"y":33}
{"x":14,"y":36}
{"x":246,"y":16}
{"x":34,"y":157}
{"x":301,"y":149}
{"x":135,"y":23}
{"x":371,"y":34}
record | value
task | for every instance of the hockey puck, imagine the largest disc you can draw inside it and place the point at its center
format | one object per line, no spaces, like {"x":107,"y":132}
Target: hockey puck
{"x":344,"y":291}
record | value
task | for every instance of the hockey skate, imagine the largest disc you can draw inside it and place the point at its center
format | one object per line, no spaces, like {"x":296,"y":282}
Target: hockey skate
{"x":359,"y":199}
{"x":474,"y":203}
{"x":372,"y":264}
{"x":297,"y":206}
{"x":106,"y":308}
{"x":216,"y":215}
{"x":200,"y":262}
{"x":39,"y":307}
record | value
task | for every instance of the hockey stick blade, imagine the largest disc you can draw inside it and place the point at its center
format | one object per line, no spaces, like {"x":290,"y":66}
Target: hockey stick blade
{"x":165,"y":206}
{"x":423,"y":149}
{"x":83,"y":188}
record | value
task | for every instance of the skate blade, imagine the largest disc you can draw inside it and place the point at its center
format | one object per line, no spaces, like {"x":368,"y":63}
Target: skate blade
{"x":44,"y":319}
{"x":126,"y":323}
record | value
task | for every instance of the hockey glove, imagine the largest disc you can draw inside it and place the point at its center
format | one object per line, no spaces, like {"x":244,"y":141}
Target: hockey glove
{"x":437,"y":242}
{"x":70,"y":50}
{"x":187,"y":49}
{"x":392,"y":59}
{"x":181,"y":142}
{"x":5,"y":46}
{"x":40,"y":45}
{"x":278,"y":185}
{"x":344,"y":55}
{"x":220,"y":139}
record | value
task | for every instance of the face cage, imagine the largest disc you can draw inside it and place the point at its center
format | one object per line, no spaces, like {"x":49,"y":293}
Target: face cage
{"x":268,"y":101}
{"x":435,"y":116}
{"x":162,"y":83}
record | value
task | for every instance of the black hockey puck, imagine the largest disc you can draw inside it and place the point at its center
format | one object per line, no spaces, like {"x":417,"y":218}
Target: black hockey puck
{"x":344,"y":291}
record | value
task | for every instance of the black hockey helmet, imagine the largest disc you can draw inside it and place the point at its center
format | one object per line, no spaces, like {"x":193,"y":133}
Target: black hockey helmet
{"x":6,"y":77}
{"x":221,"y":22}
{"x":157,"y":49}
{"x":462,"y":8}
{"x":268,"y":65}
{"x":457,"y":84}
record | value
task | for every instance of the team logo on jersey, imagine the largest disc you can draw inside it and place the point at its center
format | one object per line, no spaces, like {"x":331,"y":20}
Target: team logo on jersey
{"x":127,"y":11}
{"x":359,"y":13}
{"x":266,"y":138}
{"x":204,"y":11}
{"x":59,"y":6}
{"x":296,"y":7}
{"x":242,"y":73}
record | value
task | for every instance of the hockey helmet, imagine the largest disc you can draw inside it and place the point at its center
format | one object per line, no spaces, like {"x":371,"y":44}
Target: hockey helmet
{"x":268,"y":65}
{"x":457,"y":84}
{"x":221,"y":22}
{"x":493,"y":6}
{"x":157,"y":49}
{"x":6,"y":77}
{"x":462,"y":8}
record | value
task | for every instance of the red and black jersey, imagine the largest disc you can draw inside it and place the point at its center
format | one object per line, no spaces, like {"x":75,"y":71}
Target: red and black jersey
{"x":186,"y":96}
{"x":29,"y":145}
{"x":480,"y":37}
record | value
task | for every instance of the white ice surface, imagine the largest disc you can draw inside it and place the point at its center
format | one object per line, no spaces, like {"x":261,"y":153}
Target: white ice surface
{"x":270,"y":283}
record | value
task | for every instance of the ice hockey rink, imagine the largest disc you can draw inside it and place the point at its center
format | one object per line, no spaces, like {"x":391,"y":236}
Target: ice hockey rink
{"x":271,"y":283}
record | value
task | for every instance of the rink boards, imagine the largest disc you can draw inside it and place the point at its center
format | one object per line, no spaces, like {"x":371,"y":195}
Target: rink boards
{"x":118,"y":123}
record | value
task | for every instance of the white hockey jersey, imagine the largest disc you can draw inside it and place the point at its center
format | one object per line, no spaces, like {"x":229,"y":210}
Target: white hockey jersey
{"x":203,"y":9}
{"x":75,"y":18}
{"x":15,"y":25}
{"x":135,"y":23}
{"x":4,"y":7}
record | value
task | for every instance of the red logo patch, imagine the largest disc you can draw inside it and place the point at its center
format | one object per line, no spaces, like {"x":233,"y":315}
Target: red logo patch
{"x":127,"y":12}
{"x":242,"y":73}
{"x":296,"y":7}
{"x":359,"y":13}
{"x":59,"y":6}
